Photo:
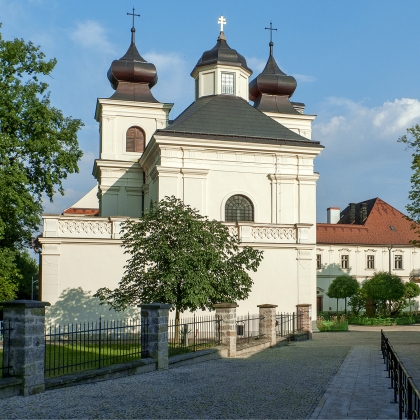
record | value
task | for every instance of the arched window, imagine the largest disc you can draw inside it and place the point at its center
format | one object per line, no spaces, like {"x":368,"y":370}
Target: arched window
{"x":239,"y":208}
{"x":134,"y":140}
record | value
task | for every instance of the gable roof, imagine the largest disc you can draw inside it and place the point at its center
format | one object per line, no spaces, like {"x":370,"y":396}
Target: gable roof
{"x":384,"y":225}
{"x":87,"y":205}
{"x":228,"y":117}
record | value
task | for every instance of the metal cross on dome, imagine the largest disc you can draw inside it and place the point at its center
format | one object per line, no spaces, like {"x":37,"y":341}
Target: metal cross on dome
{"x":133,"y":14}
{"x":271,"y":29}
{"x":221,"y":22}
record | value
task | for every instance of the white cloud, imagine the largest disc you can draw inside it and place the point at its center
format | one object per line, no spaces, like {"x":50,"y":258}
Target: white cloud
{"x":304,"y":78}
{"x":90,"y":34}
{"x":256,"y":65}
{"x":175,"y":84}
{"x":362,"y":158}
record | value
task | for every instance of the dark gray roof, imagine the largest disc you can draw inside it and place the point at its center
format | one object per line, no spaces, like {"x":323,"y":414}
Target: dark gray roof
{"x":228,"y":117}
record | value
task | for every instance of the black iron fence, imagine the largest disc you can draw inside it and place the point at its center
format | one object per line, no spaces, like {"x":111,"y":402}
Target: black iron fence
{"x":288,"y":324}
{"x":5,"y":330}
{"x":406,"y":394}
{"x":247,"y":328}
{"x":76,"y":347}
{"x":192,"y":334}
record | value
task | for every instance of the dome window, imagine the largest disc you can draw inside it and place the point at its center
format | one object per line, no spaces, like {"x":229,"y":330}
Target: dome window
{"x":239,"y":208}
{"x":228,"y":83}
{"x":134,"y":140}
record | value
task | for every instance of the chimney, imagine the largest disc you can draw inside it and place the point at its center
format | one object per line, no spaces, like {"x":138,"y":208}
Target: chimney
{"x":352,"y":213}
{"x":363,"y":213}
{"x":333,"y":214}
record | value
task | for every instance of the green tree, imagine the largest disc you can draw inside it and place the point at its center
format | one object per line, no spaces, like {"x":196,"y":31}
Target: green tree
{"x":38,"y":144}
{"x":179,"y":257}
{"x":412,"y":141}
{"x":358,"y":301}
{"x":343,"y":287}
{"x":9,"y":275}
{"x":387,"y":291}
{"x":29,"y":271}
{"x":412,"y":290}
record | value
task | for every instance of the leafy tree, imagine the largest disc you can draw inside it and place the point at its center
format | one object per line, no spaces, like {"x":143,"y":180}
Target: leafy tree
{"x":358,"y":301}
{"x":343,"y":287}
{"x":38,"y":144}
{"x":412,"y":290}
{"x":386,"y":290}
{"x":179,"y":257}
{"x":412,"y":141}
{"x":29,"y":271}
{"x":9,"y":275}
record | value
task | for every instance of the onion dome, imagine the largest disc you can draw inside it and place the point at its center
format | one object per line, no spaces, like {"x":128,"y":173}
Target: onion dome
{"x":132,"y":77}
{"x":271,"y":90}
{"x":221,"y":53}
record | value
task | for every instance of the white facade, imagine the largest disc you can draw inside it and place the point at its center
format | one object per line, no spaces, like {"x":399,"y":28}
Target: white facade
{"x":385,"y":258}
{"x":279,"y":180}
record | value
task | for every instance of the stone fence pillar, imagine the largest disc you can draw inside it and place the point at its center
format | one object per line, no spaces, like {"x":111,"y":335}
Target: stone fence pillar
{"x":26,"y":354}
{"x":154,"y":317}
{"x":268,"y":322}
{"x":304,"y":313}
{"x":227,"y":313}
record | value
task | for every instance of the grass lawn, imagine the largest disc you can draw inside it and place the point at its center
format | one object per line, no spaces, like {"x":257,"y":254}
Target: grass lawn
{"x":71,"y":358}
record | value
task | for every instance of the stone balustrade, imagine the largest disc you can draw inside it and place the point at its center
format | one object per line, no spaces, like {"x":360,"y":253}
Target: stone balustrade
{"x":110,"y":228}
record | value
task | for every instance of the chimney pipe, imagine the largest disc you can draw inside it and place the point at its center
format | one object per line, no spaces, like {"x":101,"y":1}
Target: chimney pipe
{"x":333,"y":215}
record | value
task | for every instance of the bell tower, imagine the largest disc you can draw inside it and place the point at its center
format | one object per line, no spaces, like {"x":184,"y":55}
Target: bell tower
{"x":127,"y":122}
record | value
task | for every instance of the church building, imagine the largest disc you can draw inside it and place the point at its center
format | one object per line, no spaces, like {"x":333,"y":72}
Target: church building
{"x":248,"y":165}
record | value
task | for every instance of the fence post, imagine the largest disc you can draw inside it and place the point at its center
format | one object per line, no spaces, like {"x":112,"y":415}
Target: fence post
{"x":227,"y":314}
{"x":267,"y":329}
{"x":304,"y":315}
{"x":27,"y":343}
{"x":154,"y":317}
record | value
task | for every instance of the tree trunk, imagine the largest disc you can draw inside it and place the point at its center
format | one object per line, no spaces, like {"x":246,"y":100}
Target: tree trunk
{"x":177,"y":338}
{"x":337,"y":307}
{"x":345,"y":305}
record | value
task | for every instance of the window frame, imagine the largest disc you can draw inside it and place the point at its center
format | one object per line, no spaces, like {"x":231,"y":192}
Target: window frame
{"x":224,"y":85}
{"x":136,"y":143}
{"x":398,"y":261}
{"x":318,"y":261}
{"x":345,"y":261}
{"x":370,"y":262}
{"x":229,"y":209}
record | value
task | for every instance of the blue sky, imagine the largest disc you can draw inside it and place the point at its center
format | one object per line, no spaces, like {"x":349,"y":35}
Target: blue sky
{"x":356,"y":63}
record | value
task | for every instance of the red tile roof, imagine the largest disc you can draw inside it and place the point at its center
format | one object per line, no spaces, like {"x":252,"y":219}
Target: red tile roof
{"x":376,"y":230}
{"x":89,"y":212}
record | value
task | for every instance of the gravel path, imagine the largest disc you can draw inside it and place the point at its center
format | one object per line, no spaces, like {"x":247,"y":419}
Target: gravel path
{"x":284,"y":382}
{"x":300,"y":380}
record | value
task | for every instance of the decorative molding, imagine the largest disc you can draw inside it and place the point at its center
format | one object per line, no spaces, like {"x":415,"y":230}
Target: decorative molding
{"x":370,"y":250}
{"x":345,"y":249}
{"x":273,"y":233}
{"x":75,"y":226}
{"x":233,"y":230}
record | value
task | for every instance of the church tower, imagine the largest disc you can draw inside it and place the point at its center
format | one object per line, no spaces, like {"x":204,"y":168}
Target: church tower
{"x":271,"y":92}
{"x":127,"y":121}
{"x":221,"y":70}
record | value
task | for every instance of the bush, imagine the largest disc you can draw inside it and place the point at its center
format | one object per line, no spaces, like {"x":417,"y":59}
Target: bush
{"x":333,"y":323}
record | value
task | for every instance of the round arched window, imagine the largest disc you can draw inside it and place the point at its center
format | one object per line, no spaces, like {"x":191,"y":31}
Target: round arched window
{"x":134,"y":141}
{"x":239,"y":208}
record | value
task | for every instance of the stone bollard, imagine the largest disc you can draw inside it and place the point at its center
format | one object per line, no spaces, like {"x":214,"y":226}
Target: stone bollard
{"x":304,"y":314}
{"x":155,"y":316}
{"x":26,"y":354}
{"x":268,"y":322}
{"x":227,"y":313}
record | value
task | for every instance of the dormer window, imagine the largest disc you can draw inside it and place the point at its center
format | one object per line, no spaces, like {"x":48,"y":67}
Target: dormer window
{"x":134,"y":141}
{"x":228,"y":83}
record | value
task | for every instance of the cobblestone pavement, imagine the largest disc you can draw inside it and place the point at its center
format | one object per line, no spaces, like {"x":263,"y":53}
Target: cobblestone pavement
{"x":283,"y":382}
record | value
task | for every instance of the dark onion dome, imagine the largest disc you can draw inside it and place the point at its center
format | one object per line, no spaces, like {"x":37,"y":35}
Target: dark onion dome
{"x":221,"y":53}
{"x":132,"y":77}
{"x":271,"y":90}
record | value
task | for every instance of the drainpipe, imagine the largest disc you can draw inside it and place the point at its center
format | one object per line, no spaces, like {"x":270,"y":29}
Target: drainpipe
{"x":390,"y":259}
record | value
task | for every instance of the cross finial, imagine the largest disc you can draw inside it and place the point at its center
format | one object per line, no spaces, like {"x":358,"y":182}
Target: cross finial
{"x":221,"y":22}
{"x":271,"y":29}
{"x":133,"y":29}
